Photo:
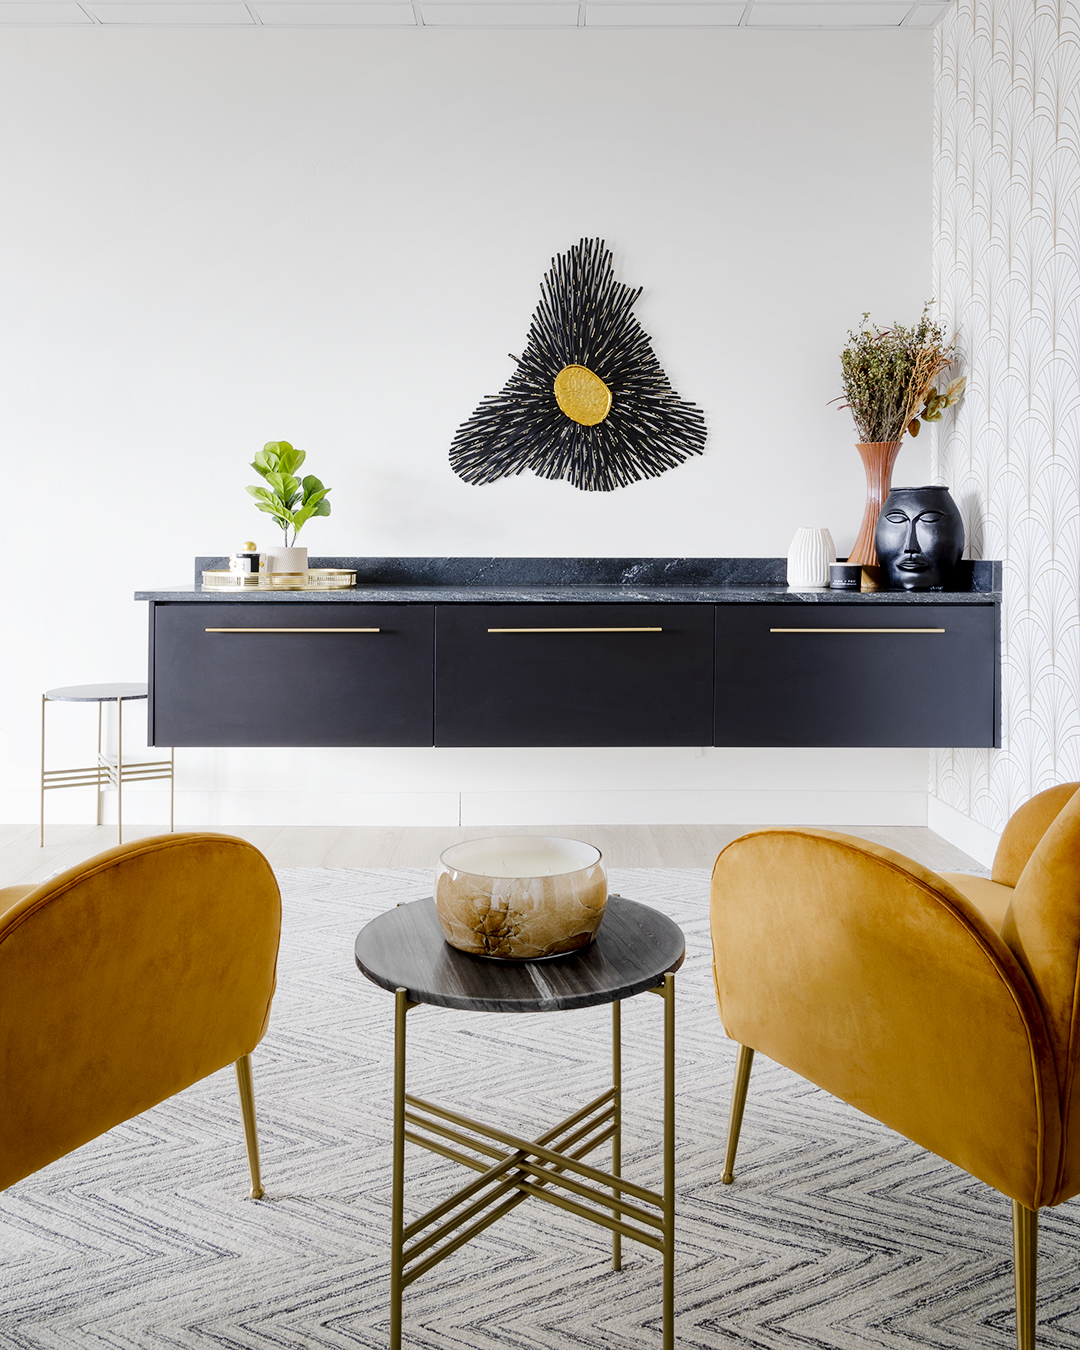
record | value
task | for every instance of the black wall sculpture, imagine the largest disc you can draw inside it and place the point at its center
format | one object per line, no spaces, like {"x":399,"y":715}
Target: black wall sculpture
{"x":588,"y":401}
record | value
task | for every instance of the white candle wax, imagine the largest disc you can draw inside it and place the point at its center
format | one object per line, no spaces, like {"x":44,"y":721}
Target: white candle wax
{"x":534,"y":864}
{"x":531,"y":856}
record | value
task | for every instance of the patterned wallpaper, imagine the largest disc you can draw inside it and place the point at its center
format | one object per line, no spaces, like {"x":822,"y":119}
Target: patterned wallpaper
{"x":1007,"y":280}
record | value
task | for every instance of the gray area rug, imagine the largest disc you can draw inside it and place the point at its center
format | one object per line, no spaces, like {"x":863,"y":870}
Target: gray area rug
{"x":836,"y":1232}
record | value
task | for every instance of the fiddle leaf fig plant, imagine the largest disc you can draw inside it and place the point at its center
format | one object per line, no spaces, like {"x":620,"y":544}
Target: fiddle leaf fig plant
{"x":292,"y":501}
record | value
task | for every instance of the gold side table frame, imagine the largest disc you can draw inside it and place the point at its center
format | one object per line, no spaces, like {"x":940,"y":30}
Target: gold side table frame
{"x":512,"y":1170}
{"x":106,"y":772}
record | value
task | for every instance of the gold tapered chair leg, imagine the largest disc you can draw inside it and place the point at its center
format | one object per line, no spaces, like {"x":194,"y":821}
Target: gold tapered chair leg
{"x":1026,"y":1265}
{"x":743,"y":1064}
{"x":246,"y":1088}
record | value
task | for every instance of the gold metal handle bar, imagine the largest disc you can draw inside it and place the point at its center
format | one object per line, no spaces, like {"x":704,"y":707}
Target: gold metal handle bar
{"x":856,"y":630}
{"x":575,"y":630}
{"x":294,"y":630}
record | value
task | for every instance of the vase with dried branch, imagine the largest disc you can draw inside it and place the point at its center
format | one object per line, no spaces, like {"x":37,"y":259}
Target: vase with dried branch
{"x":890,"y":378}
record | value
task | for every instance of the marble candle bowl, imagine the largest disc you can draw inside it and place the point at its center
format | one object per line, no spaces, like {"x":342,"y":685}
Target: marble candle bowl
{"x":520,"y":898}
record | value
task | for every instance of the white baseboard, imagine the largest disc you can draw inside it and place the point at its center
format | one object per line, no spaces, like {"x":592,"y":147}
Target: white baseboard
{"x":682,"y":806}
{"x":694,"y":807}
{"x":978,"y":841}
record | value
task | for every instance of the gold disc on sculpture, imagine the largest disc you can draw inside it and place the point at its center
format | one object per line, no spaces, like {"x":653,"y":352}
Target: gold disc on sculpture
{"x":583,"y":396}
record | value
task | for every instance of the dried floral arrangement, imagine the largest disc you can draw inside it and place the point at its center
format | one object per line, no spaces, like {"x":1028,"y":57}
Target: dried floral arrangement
{"x":890,"y":376}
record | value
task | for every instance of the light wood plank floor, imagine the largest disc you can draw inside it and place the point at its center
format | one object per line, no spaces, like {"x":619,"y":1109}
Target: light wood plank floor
{"x":22,"y":861}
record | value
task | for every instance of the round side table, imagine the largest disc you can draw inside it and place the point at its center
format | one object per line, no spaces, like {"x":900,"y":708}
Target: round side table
{"x":636,"y":950}
{"x":104,"y":773}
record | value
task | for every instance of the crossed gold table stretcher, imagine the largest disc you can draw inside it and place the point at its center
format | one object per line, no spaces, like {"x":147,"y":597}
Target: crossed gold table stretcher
{"x":637,"y":950}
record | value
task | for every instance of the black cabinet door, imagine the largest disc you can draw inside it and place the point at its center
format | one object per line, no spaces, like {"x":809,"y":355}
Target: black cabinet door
{"x":919,"y":675}
{"x":588,"y":674}
{"x":270,"y":673}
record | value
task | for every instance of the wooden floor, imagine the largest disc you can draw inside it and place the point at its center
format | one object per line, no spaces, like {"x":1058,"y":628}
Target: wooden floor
{"x":23,"y":861}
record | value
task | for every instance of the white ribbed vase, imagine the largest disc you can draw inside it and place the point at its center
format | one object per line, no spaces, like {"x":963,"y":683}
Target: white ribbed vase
{"x":809,"y":557}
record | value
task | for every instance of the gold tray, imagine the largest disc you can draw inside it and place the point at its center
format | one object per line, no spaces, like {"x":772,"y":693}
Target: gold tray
{"x":314,"y":579}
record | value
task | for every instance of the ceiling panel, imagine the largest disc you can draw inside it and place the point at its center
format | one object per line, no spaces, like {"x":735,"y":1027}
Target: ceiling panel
{"x":555,"y":14}
{"x":663,"y":15}
{"x":830,"y":14}
{"x":197,"y":15}
{"x":314,"y":14}
{"x":815,"y":15}
{"x":926,"y":16}
{"x":41,"y":15}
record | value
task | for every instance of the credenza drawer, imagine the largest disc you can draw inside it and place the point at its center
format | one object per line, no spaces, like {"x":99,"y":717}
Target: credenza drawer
{"x":840,"y":675}
{"x":291,"y":674}
{"x":565,"y":674}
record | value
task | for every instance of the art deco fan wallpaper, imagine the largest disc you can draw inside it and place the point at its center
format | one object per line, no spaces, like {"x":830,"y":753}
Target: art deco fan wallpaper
{"x":1007,"y":279}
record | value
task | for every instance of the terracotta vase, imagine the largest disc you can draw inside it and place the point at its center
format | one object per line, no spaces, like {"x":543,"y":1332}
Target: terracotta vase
{"x":878,"y":458}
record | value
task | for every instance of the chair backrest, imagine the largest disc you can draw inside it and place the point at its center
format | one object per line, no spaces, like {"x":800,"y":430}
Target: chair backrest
{"x":125,"y":980}
{"x":1042,"y":927}
{"x":1026,"y":827}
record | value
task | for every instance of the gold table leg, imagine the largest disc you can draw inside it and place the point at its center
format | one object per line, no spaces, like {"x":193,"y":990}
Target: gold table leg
{"x":397,"y":1209}
{"x":43,"y":702}
{"x":616,"y":1138}
{"x":669,"y":1161}
{"x":529,"y":1170}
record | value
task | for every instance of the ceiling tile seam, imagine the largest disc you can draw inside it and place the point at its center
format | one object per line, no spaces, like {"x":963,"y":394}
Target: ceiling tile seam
{"x":255,"y":18}
{"x":581,"y":13}
{"x":89,"y":15}
{"x":745,"y":16}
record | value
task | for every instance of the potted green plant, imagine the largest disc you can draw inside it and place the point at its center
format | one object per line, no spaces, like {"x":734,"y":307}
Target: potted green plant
{"x":889,"y":376}
{"x":290,"y":500}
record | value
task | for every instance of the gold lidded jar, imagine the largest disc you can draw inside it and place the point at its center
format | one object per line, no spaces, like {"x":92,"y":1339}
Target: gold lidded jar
{"x":520,"y":897}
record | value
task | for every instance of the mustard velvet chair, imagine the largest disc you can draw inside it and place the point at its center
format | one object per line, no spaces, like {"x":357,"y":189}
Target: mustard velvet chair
{"x":945,"y":1006}
{"x":125,"y":980}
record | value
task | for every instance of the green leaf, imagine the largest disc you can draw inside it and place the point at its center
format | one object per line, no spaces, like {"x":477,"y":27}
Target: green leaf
{"x":289,"y":458}
{"x":260,"y":492}
{"x":323,"y":508}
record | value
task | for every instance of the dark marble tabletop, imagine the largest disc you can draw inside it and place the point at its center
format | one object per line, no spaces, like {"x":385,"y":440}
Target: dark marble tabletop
{"x":576,"y":580}
{"x":633,"y":949}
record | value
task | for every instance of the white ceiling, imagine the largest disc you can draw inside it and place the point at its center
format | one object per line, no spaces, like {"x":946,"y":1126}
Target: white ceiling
{"x":835,"y":14}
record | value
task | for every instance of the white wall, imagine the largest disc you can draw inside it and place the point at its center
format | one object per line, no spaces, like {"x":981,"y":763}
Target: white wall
{"x":1007,"y":258}
{"x":215,"y":238}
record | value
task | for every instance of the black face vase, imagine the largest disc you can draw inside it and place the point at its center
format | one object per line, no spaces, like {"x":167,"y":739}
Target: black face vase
{"x":919,"y":539}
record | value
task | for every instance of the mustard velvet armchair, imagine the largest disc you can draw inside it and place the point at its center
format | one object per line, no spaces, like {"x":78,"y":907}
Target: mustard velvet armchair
{"x":125,"y":980}
{"x":945,"y":1006}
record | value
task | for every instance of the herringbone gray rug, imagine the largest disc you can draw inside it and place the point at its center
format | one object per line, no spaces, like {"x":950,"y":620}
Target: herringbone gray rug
{"x":836,"y":1233}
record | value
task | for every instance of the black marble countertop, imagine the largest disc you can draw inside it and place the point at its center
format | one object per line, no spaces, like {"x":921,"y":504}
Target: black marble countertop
{"x":581,"y":580}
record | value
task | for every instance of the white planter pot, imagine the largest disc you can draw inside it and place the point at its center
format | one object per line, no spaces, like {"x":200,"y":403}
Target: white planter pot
{"x":286,"y":559}
{"x":809,"y":557}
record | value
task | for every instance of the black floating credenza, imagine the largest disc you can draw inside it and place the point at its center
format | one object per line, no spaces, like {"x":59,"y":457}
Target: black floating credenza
{"x":575,"y":652}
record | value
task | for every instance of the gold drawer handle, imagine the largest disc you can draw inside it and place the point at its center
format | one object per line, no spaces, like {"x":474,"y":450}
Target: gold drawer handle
{"x":856,"y":630}
{"x":575,"y":630}
{"x":293,"y":630}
